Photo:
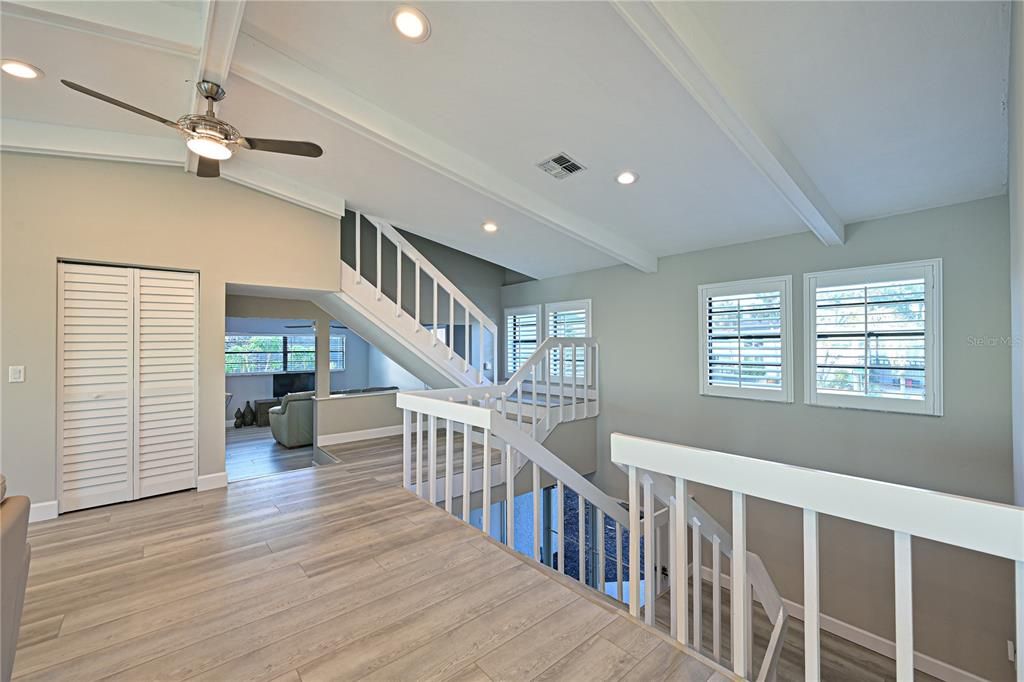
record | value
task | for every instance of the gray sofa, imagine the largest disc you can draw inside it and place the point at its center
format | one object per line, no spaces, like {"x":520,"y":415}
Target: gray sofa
{"x":291,"y":422}
{"x":15,"y":554}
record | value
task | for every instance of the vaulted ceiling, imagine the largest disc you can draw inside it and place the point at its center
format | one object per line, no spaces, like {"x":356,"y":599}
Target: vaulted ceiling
{"x":743,"y":120}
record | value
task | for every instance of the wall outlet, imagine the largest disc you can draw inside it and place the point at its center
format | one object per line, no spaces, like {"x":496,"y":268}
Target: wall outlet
{"x":16,"y":374}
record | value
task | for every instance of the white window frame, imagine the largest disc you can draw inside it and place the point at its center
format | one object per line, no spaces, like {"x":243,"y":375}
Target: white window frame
{"x":782,"y":284}
{"x":521,"y":310}
{"x":931,"y":271}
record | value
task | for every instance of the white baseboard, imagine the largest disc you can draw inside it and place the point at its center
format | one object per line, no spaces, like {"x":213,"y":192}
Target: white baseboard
{"x":871,"y":641}
{"x":42,"y":511}
{"x":353,"y":436}
{"x":211,"y":481}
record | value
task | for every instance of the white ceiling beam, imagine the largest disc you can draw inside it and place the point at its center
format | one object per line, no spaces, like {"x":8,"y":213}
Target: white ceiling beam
{"x":271,"y":67}
{"x":674,"y":34}
{"x":90,"y":143}
{"x":223,"y":19}
{"x":168,"y":27}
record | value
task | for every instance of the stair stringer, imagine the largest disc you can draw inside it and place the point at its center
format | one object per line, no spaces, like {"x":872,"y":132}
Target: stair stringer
{"x":396,"y":334}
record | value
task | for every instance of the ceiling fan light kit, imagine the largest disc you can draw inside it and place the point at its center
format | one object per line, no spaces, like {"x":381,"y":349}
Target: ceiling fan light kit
{"x":209,"y":137}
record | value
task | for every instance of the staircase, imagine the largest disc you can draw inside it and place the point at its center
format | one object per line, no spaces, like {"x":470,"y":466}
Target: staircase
{"x":472,"y":444}
{"x":401,"y":303}
{"x":501,"y":429}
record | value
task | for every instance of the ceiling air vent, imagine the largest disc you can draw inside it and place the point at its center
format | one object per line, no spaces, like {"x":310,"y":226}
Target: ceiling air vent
{"x":560,"y":166}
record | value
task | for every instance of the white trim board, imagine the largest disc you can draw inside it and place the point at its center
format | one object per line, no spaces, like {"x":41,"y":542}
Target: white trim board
{"x":353,"y":436}
{"x":42,"y":511}
{"x":211,"y":481}
{"x":868,"y":640}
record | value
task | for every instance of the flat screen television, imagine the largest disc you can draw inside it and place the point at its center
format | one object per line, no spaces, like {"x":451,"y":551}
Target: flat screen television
{"x":293,"y":382}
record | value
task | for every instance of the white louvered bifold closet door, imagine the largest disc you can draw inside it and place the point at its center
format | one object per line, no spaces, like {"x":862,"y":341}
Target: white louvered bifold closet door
{"x":166,"y":380}
{"x":95,"y":406}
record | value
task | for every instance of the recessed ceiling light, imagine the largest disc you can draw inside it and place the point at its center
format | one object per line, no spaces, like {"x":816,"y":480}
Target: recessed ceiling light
{"x":411,"y":23}
{"x":20,"y":69}
{"x":490,"y":226}
{"x":626,"y":177}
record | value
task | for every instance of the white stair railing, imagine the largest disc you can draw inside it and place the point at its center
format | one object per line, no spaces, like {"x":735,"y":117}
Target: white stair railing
{"x":440,"y":294}
{"x":987,"y":527}
{"x":515,"y":418}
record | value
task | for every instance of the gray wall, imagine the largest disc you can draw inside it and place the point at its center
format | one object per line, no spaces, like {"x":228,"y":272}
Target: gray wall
{"x":133,"y":214}
{"x":1016,"y":187}
{"x":647,"y":326}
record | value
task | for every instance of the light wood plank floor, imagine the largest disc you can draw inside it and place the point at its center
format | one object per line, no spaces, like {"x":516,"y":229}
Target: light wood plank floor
{"x":252,"y":451}
{"x":328,"y":573}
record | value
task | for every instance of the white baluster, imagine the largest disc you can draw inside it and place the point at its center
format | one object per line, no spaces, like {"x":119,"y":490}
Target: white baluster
{"x":698,"y":587}
{"x":359,"y":250}
{"x":449,"y":465}
{"x":416,"y":326}
{"x":536,"y":512}
{"x":673,"y":568}
{"x":378,"y":262}
{"x":560,"y":493}
{"x":680,"y":586}
{"x":486,"y":523}
{"x":716,"y":597}
{"x":574,"y":381}
{"x":533,"y":384}
{"x":547,"y":402}
{"x":433,"y":341}
{"x":634,"y":537}
{"x":406,"y":449}
{"x":812,"y":623}
{"x":468,"y":350}
{"x":659,"y":558}
{"x":619,"y":564}
{"x":740,"y":585}
{"x":904,"y":607}
{"x":467,"y":469}
{"x":581,"y":559}
{"x":432,"y":460}
{"x":419,"y":454}
{"x":561,"y":384}
{"x":599,"y":535}
{"x":480,"y":353}
{"x":519,"y":404}
{"x":650,"y":578}
{"x":503,"y":402}
{"x":398,"y":280}
{"x":510,"y":497}
{"x":597,"y":380}
{"x":451,"y":325}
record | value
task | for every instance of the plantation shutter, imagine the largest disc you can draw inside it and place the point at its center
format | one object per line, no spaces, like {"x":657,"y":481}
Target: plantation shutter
{"x":167,"y":341}
{"x":569,"y":320}
{"x":95,"y":390}
{"x":744,"y":340}
{"x":522,"y":329}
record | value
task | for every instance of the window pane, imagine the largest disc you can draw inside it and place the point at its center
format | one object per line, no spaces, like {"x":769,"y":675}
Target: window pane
{"x":744,"y":340}
{"x":871,"y":339}
{"x":251,"y":354}
{"x":521,"y":332}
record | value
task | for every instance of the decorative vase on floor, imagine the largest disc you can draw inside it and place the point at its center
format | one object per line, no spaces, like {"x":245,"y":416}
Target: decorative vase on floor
{"x":239,"y":419}
{"x":248,"y":414}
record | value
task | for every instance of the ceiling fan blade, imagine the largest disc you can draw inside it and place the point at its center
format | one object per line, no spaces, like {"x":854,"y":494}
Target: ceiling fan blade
{"x":283,"y":146}
{"x":118,"y":103}
{"x":208,"y":168}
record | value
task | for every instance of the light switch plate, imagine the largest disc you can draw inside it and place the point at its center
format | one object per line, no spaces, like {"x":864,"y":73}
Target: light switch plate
{"x":16,"y":374}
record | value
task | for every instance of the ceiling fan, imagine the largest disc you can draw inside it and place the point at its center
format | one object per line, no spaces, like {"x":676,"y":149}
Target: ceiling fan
{"x":212,"y":139}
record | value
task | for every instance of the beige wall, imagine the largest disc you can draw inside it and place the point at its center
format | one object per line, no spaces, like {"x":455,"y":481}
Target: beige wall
{"x":345,"y":414}
{"x":647,"y":326}
{"x":135,"y":215}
